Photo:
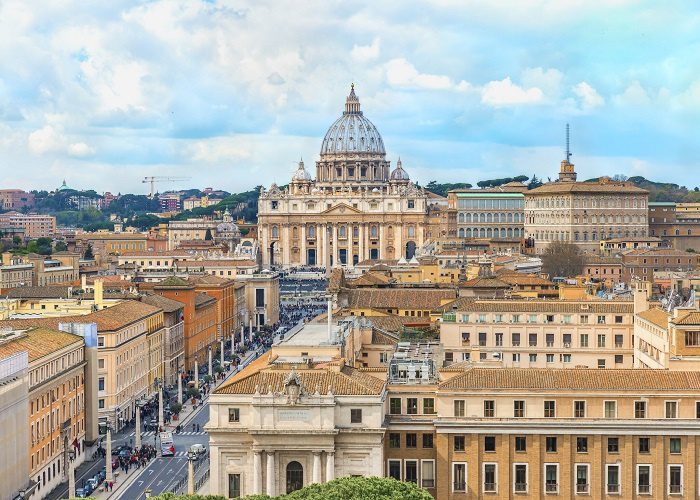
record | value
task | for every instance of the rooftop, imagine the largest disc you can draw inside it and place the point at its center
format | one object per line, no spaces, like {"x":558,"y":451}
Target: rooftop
{"x":166,"y":304}
{"x":398,"y":298}
{"x":37,"y":342}
{"x":657,"y":316}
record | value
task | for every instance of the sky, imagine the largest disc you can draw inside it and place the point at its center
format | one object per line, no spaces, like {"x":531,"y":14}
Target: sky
{"x":233,"y":93}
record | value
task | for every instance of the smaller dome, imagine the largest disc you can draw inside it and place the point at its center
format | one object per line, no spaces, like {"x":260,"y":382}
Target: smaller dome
{"x":399,"y":174}
{"x":228,"y":228}
{"x":301,"y":175}
{"x":63,"y":187}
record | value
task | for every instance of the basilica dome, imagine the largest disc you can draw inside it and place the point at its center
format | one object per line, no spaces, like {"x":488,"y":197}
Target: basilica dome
{"x":352,"y":133}
{"x":399,"y":174}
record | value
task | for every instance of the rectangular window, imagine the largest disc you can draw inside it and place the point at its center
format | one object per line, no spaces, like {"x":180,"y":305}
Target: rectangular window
{"x":411,"y":471}
{"x":101,"y":384}
{"x":459,"y":476}
{"x":643,"y":479}
{"x":234,"y":415}
{"x":490,"y":443}
{"x":490,"y":478}
{"x":518,"y":408}
{"x":613,"y":445}
{"x":459,"y":443}
{"x":532,"y":340}
{"x":584,"y":340}
{"x":355,"y":415}
{"x":520,"y":478}
{"x":515,"y":340}
{"x":412,"y":406}
{"x":601,"y":320}
{"x":489,"y":408}
{"x":581,"y":444}
{"x":394,"y":467}
{"x":601,"y":363}
{"x":427,"y":473}
{"x":675,"y":479}
{"x":551,"y":444}
{"x":612,"y":479}
{"x":411,"y":440}
{"x":394,"y":440}
{"x":582,"y":472}
{"x":482,"y":339}
{"x":234,"y":485}
{"x":520,"y":443}
{"x":610,"y":409}
{"x":640,"y":409}
{"x":644,"y":445}
{"x":428,"y":406}
{"x":427,"y":440}
{"x":395,"y":406}
{"x":579,"y":409}
{"x":671,"y":409}
{"x":697,"y":409}
{"x":674,"y":445}
{"x":619,"y":359}
{"x":619,"y":341}
{"x":601,"y":340}
{"x":550,"y":409}
{"x":550,"y":358}
{"x":459,"y":407}
{"x":551,"y":478}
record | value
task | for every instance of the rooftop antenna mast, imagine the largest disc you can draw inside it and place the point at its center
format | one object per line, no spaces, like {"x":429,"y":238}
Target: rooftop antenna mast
{"x":568,"y":149}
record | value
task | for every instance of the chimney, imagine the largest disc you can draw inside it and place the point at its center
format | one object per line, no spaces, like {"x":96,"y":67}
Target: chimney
{"x":99,"y":304}
{"x":330,"y":321}
{"x":83,"y":282}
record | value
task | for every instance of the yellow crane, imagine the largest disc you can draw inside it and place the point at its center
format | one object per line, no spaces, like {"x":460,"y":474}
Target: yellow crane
{"x":152,"y":180}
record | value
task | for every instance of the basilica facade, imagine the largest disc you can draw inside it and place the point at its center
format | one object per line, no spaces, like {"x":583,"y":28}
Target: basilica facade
{"x":356,"y":208}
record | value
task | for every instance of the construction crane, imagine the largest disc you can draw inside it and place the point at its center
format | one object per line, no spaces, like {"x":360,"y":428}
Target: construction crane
{"x":153,"y":179}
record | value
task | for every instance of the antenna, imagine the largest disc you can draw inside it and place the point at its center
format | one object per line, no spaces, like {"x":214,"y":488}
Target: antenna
{"x":568,"y":149}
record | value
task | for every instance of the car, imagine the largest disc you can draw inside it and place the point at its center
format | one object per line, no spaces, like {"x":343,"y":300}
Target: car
{"x":115,"y":463}
{"x":80,"y":493}
{"x":198,"y":449}
{"x":93,"y":482}
{"x":100,"y":476}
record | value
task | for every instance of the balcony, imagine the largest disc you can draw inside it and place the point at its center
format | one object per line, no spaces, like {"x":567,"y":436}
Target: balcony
{"x":490,"y":488}
{"x":459,"y":486}
{"x":618,"y":345}
{"x":449,"y":318}
{"x":428,"y":483}
{"x":613,"y":489}
{"x":581,"y":488}
{"x":675,"y":489}
{"x":520,"y":488}
{"x":644,"y":489}
{"x":550,"y":344}
{"x":551,"y":487}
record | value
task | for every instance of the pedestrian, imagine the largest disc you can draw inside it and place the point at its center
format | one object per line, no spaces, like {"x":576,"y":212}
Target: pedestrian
{"x":111,"y":485}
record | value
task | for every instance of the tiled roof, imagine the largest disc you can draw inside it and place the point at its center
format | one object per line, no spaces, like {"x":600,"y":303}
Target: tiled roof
{"x":371,"y":279}
{"x":108,"y":319}
{"x":398,"y":298}
{"x":173,"y":281}
{"x":657,"y":316}
{"x":214,"y":263}
{"x":524,"y":279}
{"x":336,"y":280}
{"x":346,"y":382}
{"x":203,"y":299}
{"x":692,"y":318}
{"x":39,"y":342}
{"x":381,"y":338}
{"x":593,"y":306}
{"x":482,"y":282}
{"x":556,"y":379}
{"x":166,"y":304}
{"x":208,"y":279}
{"x":394,"y":322}
{"x":154,"y":254}
{"x":656,"y":252}
{"x":39,"y":292}
{"x":586,"y":187}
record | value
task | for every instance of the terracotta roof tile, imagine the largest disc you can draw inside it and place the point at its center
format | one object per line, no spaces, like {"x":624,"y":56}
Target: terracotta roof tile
{"x":555,"y":379}
{"x":38,"y":342}
{"x":166,"y":304}
{"x":656,"y":316}
{"x":398,"y":298}
{"x":586,"y":187}
{"x":593,"y":306}
{"x":692,"y":318}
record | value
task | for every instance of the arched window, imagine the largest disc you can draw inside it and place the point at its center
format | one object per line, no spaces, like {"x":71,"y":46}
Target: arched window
{"x":468,"y":233}
{"x":482,"y":217}
{"x":461,"y":232}
{"x":411,"y":231}
{"x":482,"y":233}
{"x":342,"y":232}
{"x":312,"y":231}
{"x":295,"y":232}
{"x":489,"y":217}
{"x":510,"y":217}
{"x":503,"y":232}
{"x":275,"y":232}
{"x":374,"y":232}
{"x":489,"y":233}
{"x":295,"y":476}
{"x":467,"y":218}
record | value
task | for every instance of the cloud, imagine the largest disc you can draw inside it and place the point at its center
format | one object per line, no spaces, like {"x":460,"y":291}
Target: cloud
{"x":50,"y":140}
{"x":634,"y":95}
{"x":217,"y":150}
{"x":590,"y":98}
{"x":275,"y":79}
{"x":365,"y":52}
{"x":504,"y":93}
{"x":401,"y":73}
{"x":80,"y":150}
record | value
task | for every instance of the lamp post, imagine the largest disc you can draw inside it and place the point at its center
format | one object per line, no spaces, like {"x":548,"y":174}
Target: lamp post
{"x":211,"y":372}
{"x":190,"y":472}
{"x":71,"y":474}
{"x":222,"y":352}
{"x":196,"y":374}
{"x":137,"y":441}
{"x":108,"y":473}
{"x":179,"y":386}
{"x":161,"y":422}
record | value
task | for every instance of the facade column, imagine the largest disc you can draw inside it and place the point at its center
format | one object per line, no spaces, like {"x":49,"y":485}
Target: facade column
{"x":108,"y":465}
{"x":320,"y":257}
{"x":137,"y":438}
{"x":327,"y":248}
{"x":382,"y":242}
{"x":179,"y":386}
{"x":286,"y":246}
{"x":361,"y":242}
{"x":398,"y":240}
{"x":257,"y":473}
{"x":262,"y":236}
{"x":302,"y":256}
{"x":270,"y":475}
{"x":316,"y":471}
{"x":336,"y":250}
{"x":196,"y":374}
{"x":330,"y":466}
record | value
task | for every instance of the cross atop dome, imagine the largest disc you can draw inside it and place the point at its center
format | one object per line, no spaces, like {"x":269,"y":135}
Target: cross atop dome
{"x":352,"y":103}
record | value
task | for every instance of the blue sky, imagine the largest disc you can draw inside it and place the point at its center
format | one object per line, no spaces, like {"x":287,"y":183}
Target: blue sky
{"x":232,"y":93}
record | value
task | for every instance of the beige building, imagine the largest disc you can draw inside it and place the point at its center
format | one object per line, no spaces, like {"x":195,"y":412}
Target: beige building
{"x":174,"y":339}
{"x":189,"y":230}
{"x":357,"y":208}
{"x":56,"y":401}
{"x":583,"y":213}
{"x":14,"y":431}
{"x":539,"y":333}
{"x":262,"y":298}
{"x":34,"y":225}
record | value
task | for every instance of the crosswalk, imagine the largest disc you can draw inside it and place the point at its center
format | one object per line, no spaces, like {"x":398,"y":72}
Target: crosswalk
{"x":183,"y":433}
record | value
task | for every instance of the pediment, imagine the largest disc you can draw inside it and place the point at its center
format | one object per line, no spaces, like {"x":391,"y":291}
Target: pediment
{"x":341,"y":209}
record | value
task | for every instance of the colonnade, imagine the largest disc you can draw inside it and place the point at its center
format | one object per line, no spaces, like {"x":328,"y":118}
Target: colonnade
{"x":270,"y":466}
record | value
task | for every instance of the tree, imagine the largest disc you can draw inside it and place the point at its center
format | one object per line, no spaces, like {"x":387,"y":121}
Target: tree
{"x":207,"y":235}
{"x":344,"y":488}
{"x":175,"y":407}
{"x":60,"y":246}
{"x":534,"y":182}
{"x":192,"y":392}
{"x":561,"y":259}
{"x":218,"y":369}
{"x":88,"y":255}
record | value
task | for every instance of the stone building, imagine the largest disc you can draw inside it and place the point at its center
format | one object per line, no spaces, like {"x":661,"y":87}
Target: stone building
{"x":583,"y":213}
{"x":495,"y":213}
{"x":357,"y":207}
{"x":677,"y":224}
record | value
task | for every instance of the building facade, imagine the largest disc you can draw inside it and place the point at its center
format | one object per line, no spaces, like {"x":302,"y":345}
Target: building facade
{"x":357,"y":208}
{"x":34,"y":225}
{"x":15,"y":199}
{"x":643,"y":263}
{"x":583,"y":213}
{"x":489,"y":213}
{"x":677,"y":224}
{"x":14,"y":431}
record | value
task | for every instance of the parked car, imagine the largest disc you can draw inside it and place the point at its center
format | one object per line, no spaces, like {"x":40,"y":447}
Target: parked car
{"x":199,"y":449}
{"x":93,"y":483}
{"x":80,"y":493}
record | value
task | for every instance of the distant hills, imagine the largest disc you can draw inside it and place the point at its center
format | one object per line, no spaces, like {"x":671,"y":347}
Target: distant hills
{"x":662,"y":191}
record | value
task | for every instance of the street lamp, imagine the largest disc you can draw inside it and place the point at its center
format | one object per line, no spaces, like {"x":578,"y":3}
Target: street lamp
{"x":191,"y":457}
{"x":71,"y":474}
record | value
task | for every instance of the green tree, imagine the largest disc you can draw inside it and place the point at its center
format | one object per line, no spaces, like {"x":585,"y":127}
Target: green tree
{"x":88,"y":255}
{"x":207,"y":235}
{"x":60,"y":246}
{"x":175,"y":407}
{"x":192,"y":392}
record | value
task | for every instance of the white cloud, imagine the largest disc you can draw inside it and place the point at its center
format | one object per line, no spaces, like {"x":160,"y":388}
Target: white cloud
{"x":590,"y":98}
{"x":45,"y":140}
{"x":217,"y":150}
{"x":401,"y":73}
{"x":547,"y":80}
{"x":365,"y":52}
{"x":634,"y":95}
{"x":502,"y":93}
{"x":80,"y":150}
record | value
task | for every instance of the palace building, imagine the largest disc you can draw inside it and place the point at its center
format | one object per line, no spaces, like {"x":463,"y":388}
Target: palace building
{"x":356,"y":208}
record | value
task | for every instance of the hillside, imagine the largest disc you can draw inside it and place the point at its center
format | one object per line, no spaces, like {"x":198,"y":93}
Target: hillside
{"x":663,"y":191}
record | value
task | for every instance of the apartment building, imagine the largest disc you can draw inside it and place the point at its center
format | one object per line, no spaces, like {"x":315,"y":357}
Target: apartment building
{"x":643,"y":263}
{"x":34,"y":225}
{"x":677,"y":224}
{"x":552,"y":433}
{"x":262,"y":298}
{"x":538,"y":333}
{"x":15,"y":199}
{"x":14,"y":432}
{"x":174,"y":335}
{"x":495,"y":213}
{"x":56,"y":401}
{"x":190,"y":229}
{"x":105,"y":243}
{"x":16,"y":274}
